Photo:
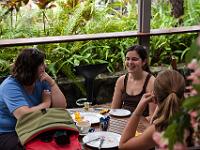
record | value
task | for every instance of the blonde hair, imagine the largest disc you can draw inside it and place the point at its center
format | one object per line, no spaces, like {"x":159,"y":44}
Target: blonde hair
{"x":169,"y":88}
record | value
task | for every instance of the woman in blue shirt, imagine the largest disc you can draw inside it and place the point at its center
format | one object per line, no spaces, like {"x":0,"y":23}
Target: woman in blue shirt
{"x":29,"y":88}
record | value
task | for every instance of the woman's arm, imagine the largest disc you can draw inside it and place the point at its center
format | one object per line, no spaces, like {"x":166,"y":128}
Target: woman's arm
{"x":150,"y":88}
{"x":117,"y":101}
{"x":141,"y":142}
{"x":128,"y":141}
{"x":57,"y":97}
{"x":46,"y":103}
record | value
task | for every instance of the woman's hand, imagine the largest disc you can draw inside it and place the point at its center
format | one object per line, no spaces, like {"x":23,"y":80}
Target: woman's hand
{"x":146,"y":98}
{"x":45,"y":77}
{"x":57,"y":99}
{"x":46,"y":98}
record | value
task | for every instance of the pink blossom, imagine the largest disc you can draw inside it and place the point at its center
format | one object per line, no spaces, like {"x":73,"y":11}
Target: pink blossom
{"x":179,"y":146}
{"x":193,"y":117}
{"x":193,"y":64}
{"x":163,"y":143}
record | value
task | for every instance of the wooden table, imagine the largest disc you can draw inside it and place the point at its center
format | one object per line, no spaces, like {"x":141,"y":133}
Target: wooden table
{"x":117,"y":124}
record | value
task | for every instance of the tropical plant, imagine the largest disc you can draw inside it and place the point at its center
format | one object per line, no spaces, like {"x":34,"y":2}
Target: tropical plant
{"x":188,"y":118}
{"x":70,"y":17}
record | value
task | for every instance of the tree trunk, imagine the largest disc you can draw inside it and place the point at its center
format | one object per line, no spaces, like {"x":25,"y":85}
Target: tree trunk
{"x":177,"y":8}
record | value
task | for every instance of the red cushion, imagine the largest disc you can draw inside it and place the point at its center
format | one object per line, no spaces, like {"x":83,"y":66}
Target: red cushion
{"x":37,"y":144}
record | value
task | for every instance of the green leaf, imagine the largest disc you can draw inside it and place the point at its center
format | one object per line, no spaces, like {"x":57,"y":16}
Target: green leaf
{"x":170,"y":134}
{"x":193,"y":53}
{"x":191,"y":102}
{"x":52,"y":69}
{"x":196,"y":87}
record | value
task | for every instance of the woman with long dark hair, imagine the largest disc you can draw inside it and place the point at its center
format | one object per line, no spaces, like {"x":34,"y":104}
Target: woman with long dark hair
{"x":130,"y":87}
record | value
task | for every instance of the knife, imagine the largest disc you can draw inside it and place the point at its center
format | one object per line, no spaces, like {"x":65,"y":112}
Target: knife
{"x":101,"y":142}
{"x":93,"y":140}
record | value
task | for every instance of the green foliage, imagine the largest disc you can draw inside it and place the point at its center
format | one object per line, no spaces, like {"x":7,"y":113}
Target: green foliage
{"x":193,"y":53}
{"x":192,"y":12}
{"x":4,"y":67}
{"x":191,"y":103}
{"x":175,"y":131}
{"x":70,"y":17}
{"x":182,"y":121}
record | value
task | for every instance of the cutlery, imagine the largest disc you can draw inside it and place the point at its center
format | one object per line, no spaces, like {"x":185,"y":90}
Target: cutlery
{"x":92,"y":140}
{"x":97,"y":109}
{"x":101,"y":142}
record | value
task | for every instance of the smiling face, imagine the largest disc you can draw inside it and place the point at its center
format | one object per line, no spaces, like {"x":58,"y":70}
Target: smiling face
{"x":133,"y":62}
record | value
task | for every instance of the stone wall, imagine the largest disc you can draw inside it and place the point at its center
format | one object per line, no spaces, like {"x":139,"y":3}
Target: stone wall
{"x":103,"y":89}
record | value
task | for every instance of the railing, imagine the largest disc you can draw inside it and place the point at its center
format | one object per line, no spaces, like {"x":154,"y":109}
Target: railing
{"x":98,"y":36}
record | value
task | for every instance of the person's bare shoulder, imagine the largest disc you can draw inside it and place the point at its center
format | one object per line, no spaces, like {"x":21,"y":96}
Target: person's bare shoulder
{"x":120,"y":82}
{"x":150,"y":84}
{"x":152,"y":79}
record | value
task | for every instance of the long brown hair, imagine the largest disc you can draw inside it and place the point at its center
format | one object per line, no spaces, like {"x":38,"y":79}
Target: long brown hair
{"x":169,"y":88}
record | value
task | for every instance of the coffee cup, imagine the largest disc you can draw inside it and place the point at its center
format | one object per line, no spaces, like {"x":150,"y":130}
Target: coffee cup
{"x":83,"y":126}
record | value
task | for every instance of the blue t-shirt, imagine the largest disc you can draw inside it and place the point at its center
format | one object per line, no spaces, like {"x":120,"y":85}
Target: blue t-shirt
{"x":13,"y":96}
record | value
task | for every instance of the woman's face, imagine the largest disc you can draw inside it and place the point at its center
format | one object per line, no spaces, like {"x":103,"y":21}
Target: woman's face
{"x":41,"y":69}
{"x":133,"y":62}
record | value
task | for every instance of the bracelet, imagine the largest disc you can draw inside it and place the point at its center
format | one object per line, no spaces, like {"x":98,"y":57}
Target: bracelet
{"x":54,"y":82}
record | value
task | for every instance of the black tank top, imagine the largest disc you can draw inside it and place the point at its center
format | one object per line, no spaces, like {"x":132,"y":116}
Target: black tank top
{"x":130,"y":102}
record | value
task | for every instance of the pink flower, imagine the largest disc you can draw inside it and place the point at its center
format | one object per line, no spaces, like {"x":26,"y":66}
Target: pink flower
{"x":163,"y":143}
{"x":160,"y":141}
{"x":179,"y":146}
{"x":193,"y":117}
{"x":193,"y":64}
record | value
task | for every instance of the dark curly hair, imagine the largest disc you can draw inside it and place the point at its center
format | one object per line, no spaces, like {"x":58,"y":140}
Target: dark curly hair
{"x":26,"y":65}
{"x":142,"y":52}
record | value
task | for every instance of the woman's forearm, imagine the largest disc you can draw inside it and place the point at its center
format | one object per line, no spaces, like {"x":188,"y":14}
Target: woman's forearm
{"x":131,"y":127}
{"x":58,"y":98}
{"x":19,"y":112}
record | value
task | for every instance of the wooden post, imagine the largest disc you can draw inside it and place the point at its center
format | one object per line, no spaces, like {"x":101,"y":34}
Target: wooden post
{"x":144,"y":13}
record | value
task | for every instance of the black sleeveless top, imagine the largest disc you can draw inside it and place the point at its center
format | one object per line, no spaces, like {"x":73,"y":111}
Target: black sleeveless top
{"x":130,"y":102}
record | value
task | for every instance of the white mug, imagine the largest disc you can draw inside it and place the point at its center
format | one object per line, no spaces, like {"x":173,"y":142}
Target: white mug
{"x":83,"y":126}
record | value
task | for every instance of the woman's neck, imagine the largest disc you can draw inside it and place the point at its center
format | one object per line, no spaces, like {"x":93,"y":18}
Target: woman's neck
{"x":29,"y":88}
{"x":137,"y":75}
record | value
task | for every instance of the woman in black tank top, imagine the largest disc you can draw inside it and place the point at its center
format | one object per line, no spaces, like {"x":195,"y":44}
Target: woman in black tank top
{"x":129,"y":88}
{"x":130,"y":101}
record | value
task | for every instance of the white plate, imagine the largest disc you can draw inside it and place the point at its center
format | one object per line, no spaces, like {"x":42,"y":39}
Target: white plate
{"x":92,"y":117}
{"x":83,"y":134}
{"x":111,"y":139}
{"x":119,"y":112}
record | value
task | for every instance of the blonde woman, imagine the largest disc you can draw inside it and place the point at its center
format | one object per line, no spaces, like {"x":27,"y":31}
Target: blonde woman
{"x":168,"y":94}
